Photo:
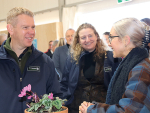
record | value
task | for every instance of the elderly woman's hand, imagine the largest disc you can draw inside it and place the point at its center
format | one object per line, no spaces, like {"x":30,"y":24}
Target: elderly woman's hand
{"x":84,"y":106}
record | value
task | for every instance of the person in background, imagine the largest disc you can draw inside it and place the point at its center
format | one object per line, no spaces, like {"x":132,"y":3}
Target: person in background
{"x":106,"y":40}
{"x":22,"y":64}
{"x":61,"y":42}
{"x":147,"y":21}
{"x":109,"y":53}
{"x":54,"y":45}
{"x":129,"y":90}
{"x":3,"y":37}
{"x":61,"y":53}
{"x":88,"y":69}
{"x":49,"y":52}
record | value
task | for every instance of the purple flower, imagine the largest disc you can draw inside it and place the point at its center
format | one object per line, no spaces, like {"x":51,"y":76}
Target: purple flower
{"x":50,"y":96}
{"x":23,"y":92}
{"x":29,"y":97}
{"x":27,"y":88}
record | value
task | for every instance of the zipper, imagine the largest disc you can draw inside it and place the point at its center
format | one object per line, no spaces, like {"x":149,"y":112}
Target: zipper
{"x":19,"y":61}
{"x":20,"y":79}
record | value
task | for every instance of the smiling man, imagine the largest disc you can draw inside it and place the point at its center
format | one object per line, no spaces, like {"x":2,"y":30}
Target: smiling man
{"x":22,"y":64}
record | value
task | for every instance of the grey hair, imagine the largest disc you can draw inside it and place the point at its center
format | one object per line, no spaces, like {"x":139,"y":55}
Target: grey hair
{"x":131,"y":27}
{"x":55,"y":42}
{"x":69,"y":29}
{"x":3,"y":37}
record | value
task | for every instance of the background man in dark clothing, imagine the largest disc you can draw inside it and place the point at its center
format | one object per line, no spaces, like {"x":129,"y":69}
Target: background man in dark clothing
{"x":61,"y":53}
{"x":49,"y":52}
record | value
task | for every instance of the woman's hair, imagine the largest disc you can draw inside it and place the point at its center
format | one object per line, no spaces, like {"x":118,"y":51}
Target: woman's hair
{"x":131,"y":27}
{"x":76,"y":48}
{"x":13,"y":13}
{"x":61,"y":42}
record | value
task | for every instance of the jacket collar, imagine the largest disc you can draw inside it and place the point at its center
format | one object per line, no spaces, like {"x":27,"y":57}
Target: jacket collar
{"x":4,"y":55}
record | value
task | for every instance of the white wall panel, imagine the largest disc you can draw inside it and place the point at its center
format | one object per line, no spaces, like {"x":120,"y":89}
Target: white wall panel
{"x":33,"y":5}
{"x":47,"y":17}
{"x":3,"y":26}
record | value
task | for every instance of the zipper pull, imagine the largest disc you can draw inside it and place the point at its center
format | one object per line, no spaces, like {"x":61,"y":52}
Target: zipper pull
{"x":20,"y":79}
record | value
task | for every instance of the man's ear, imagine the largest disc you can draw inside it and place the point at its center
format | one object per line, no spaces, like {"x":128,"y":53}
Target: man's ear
{"x":10,"y":29}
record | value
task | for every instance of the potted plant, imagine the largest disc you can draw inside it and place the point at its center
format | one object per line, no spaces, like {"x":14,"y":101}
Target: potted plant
{"x":46,"y":104}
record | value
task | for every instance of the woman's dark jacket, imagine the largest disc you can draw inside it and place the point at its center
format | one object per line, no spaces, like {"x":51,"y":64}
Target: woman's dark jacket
{"x":74,"y":83}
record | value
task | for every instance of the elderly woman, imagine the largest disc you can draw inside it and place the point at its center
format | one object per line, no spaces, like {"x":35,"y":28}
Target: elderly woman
{"x":129,"y":89}
{"x":88,"y":69}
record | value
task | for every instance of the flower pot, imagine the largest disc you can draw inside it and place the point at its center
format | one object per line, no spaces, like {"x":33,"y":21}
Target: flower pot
{"x":64,"y":111}
{"x":25,"y":111}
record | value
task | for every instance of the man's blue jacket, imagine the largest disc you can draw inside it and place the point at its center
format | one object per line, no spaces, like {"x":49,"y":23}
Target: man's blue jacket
{"x":39,"y":71}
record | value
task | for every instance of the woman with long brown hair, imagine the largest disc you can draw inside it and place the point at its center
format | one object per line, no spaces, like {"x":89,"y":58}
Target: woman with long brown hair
{"x":88,"y":70}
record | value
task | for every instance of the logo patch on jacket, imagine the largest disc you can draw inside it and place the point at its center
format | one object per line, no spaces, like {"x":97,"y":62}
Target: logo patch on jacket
{"x":33,"y":68}
{"x":107,"y":69}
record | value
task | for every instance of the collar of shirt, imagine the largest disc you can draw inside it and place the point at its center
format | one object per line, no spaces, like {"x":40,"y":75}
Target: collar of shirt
{"x":51,"y":51}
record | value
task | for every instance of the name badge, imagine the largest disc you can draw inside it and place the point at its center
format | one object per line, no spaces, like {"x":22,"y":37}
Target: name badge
{"x":107,"y":69}
{"x":33,"y":68}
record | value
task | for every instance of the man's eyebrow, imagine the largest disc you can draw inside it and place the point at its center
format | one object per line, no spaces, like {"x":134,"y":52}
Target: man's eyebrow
{"x":24,"y":25}
{"x":27,"y":26}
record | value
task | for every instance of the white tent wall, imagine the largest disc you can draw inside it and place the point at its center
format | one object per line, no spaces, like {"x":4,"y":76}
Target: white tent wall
{"x":99,"y":5}
{"x":47,"y":11}
{"x":33,"y":5}
{"x":75,"y":1}
{"x":44,"y":10}
{"x":41,"y":18}
{"x":103,"y":14}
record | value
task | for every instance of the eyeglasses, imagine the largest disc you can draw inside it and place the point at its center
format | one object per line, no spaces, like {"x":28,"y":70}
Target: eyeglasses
{"x":111,"y":37}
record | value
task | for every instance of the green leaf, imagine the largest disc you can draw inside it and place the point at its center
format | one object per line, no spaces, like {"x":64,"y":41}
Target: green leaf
{"x":57,"y":104}
{"x":30,"y":109}
{"x":36,"y":106}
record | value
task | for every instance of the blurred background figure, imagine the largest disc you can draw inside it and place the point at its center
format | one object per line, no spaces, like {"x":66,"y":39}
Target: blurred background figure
{"x":108,"y":49}
{"x":147,"y":21}
{"x":49,"y":52}
{"x":54,"y":45}
{"x":61,"y":42}
{"x":3,"y":37}
{"x":106,"y":40}
{"x":61,"y":53}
